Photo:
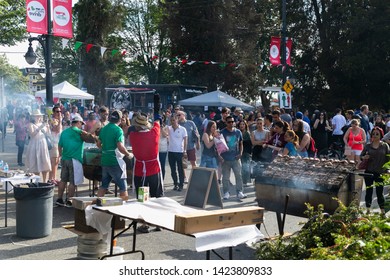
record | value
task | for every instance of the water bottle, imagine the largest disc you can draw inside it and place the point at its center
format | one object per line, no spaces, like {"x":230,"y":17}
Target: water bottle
{"x":1,"y":164}
{"x":6,"y":168}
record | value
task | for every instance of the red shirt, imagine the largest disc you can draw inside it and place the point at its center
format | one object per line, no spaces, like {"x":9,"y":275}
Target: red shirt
{"x":145,"y":150}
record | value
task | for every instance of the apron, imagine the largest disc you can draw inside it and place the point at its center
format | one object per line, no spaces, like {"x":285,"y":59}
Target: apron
{"x":144,"y":170}
{"x":77,"y":172}
{"x":121,"y":162}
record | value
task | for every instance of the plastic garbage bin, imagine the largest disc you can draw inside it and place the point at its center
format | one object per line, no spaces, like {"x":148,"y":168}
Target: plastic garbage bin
{"x":34,"y":210}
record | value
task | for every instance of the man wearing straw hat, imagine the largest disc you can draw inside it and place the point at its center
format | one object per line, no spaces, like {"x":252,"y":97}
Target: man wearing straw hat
{"x":147,"y":170}
{"x":111,"y":141}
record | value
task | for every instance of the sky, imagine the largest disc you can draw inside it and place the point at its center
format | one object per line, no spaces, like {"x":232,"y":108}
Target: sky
{"x":16,"y":53}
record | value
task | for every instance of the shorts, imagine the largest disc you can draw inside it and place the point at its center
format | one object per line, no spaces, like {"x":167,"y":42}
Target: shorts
{"x":356,"y":152}
{"x":67,"y":172}
{"x":114,"y":173}
{"x":54,"y":151}
{"x":191,"y":155}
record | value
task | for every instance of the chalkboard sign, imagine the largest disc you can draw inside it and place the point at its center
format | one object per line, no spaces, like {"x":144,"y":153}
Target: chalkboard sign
{"x":203,"y":188}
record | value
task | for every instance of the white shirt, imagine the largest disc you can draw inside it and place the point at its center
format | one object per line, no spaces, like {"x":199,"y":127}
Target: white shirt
{"x":338,"y":122}
{"x":176,"y":139}
{"x":306,"y":127}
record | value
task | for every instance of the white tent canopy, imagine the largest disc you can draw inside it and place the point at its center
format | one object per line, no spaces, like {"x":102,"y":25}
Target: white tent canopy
{"x":215,"y":99}
{"x":66,"y":90}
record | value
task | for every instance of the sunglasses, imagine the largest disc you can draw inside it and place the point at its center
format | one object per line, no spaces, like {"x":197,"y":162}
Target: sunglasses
{"x":57,"y":111}
{"x":230,"y":122}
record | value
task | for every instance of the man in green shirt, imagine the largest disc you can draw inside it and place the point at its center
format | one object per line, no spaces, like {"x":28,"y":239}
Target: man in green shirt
{"x":111,"y":141}
{"x":70,"y":149}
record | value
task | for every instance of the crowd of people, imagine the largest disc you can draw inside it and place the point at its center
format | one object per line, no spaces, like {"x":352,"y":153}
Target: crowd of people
{"x":228,"y":140}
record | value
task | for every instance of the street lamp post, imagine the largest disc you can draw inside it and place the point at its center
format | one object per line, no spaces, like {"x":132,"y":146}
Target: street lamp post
{"x":46,"y":43}
{"x":283,"y":43}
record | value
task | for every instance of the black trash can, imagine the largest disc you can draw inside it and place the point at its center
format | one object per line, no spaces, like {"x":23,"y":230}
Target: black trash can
{"x":34,"y":210}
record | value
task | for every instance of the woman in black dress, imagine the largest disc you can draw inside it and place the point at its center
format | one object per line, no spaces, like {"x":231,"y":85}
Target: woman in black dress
{"x":321,"y":127}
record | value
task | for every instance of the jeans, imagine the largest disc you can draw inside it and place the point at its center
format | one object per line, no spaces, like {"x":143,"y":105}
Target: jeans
{"x":162,"y":156}
{"x":246,"y":168}
{"x":370,"y":190}
{"x":20,"y":145}
{"x":209,"y":162}
{"x":113,"y":173}
{"x":227,"y":165}
{"x":176,"y":159}
{"x":154,"y":183}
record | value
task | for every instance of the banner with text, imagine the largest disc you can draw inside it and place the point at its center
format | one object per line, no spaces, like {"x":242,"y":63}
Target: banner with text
{"x":274,"y":51}
{"x":36,"y":16}
{"x":62,"y":18}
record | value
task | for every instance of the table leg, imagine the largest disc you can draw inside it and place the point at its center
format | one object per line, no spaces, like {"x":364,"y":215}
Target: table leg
{"x":6,"y":204}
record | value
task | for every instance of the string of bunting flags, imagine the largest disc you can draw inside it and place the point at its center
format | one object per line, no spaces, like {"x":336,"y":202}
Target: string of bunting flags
{"x":183,"y":61}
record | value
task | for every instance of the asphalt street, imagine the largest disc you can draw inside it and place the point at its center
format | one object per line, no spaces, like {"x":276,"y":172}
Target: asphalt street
{"x":61,"y":244}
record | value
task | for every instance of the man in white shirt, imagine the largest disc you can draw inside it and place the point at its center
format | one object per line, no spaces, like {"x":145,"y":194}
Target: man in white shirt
{"x":338,"y":121}
{"x":177,"y":149}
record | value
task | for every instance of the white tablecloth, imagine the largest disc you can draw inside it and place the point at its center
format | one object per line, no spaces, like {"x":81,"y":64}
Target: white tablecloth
{"x":161,"y":212}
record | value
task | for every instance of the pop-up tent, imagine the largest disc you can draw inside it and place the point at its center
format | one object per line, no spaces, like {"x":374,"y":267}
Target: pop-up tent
{"x":215,"y":99}
{"x":66,"y":90}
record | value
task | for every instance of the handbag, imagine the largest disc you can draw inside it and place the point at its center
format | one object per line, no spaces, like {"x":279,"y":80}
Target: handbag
{"x":363,"y":164}
{"x":48,"y":141}
{"x":347,"y":150}
{"x":185,"y":162}
{"x":220,"y":144}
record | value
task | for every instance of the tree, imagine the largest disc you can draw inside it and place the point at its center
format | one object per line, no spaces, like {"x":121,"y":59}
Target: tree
{"x":12,"y":22}
{"x":233,"y":33}
{"x":342,"y":52}
{"x":12,"y":77}
{"x":95,"y":21}
{"x":146,"y":40}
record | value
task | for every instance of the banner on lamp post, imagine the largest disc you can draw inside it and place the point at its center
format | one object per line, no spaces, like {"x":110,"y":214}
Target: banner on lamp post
{"x":36,"y":17}
{"x":274,"y":51}
{"x":288,"y":51}
{"x":62,"y":18}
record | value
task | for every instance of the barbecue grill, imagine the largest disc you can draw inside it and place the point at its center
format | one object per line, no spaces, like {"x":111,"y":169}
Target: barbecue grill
{"x":92,"y":168}
{"x":286,"y":184}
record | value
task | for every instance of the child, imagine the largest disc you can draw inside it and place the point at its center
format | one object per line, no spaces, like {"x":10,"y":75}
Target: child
{"x":292,"y":143}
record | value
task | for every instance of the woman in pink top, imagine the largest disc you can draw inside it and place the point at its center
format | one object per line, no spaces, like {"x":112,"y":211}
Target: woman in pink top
{"x":354,"y":140}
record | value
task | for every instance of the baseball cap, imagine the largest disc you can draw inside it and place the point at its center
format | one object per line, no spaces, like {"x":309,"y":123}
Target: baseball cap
{"x":78,"y":119}
{"x":116,"y":115}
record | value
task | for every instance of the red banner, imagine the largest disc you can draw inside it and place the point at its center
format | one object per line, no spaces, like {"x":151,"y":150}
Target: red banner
{"x":274,"y":51}
{"x":62,"y":18}
{"x":36,"y":16}
{"x":288,"y":51}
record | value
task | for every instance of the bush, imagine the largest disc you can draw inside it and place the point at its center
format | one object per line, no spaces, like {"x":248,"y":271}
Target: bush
{"x":348,"y":234}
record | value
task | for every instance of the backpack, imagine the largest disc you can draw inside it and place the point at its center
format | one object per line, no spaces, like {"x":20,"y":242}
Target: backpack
{"x":312,"y":150}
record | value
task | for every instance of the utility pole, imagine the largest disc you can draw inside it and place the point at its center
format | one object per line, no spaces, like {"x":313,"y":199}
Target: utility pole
{"x":283,"y":43}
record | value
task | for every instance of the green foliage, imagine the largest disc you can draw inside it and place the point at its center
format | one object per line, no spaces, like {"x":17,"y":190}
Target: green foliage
{"x":12,"y":77}
{"x":12,"y":21}
{"x":348,"y":234}
{"x":339,"y":52}
{"x":96,"y":21}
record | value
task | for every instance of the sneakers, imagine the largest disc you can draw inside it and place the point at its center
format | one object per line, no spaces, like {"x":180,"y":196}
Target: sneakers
{"x":143,"y":229}
{"x":226,"y":196}
{"x":175,"y":188}
{"x":68,"y":204}
{"x":241,"y":195}
{"x":60,"y":202}
{"x":185,"y":180}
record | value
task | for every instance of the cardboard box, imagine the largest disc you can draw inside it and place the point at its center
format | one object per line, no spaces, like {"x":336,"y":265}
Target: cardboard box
{"x":218,"y":219}
{"x":82,"y":202}
{"x":109,"y":201}
{"x":143,"y":194}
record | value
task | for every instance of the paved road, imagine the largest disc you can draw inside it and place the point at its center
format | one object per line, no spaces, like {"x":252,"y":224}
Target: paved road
{"x":61,"y":244}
